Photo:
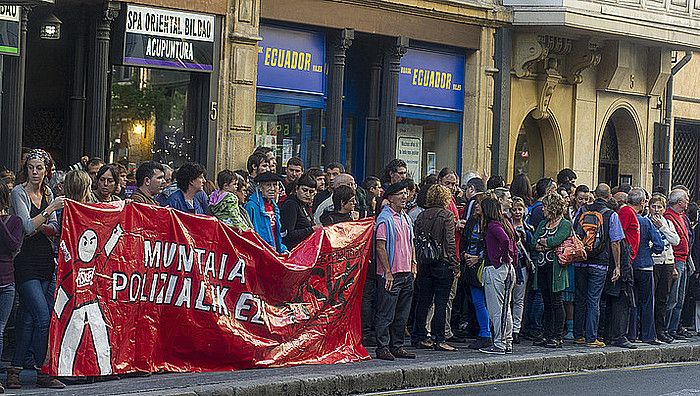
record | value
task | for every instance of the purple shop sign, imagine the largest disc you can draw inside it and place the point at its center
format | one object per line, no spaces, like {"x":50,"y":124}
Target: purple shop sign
{"x":432,"y":79}
{"x":172,"y":39}
{"x":291,"y":60}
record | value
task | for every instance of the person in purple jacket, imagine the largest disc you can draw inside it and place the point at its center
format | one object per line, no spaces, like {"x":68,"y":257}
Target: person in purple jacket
{"x":499,"y":274}
{"x":11,"y":236}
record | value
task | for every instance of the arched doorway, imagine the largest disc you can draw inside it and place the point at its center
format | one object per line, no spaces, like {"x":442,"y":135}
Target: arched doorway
{"x":619,"y":160}
{"x":532,"y":157}
{"x":609,"y":162}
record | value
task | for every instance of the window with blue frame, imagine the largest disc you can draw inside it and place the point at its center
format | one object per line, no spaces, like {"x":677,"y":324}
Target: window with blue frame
{"x":290,"y":96}
{"x":431,"y":105}
{"x":293,"y":131}
{"x":436,"y":144}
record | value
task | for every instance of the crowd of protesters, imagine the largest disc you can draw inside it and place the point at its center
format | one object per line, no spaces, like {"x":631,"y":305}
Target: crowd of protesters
{"x":486,"y":264}
{"x":450,"y":262}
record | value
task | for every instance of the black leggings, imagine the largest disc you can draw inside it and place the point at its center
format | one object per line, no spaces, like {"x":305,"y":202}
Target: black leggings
{"x":554,"y":313}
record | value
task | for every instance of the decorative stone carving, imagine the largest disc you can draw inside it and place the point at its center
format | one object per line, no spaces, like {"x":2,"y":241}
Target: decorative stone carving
{"x":556,"y":45}
{"x":528,"y":51}
{"x":584,"y":55}
{"x":547,"y":83}
{"x":531,"y":49}
{"x":245,"y":11}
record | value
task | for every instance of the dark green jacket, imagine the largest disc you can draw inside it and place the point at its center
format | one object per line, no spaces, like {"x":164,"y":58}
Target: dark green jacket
{"x":560,"y":276}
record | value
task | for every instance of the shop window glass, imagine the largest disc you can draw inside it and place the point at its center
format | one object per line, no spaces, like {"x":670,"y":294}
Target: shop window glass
{"x":436,"y":143}
{"x":292,"y":131}
{"x":150,"y":117}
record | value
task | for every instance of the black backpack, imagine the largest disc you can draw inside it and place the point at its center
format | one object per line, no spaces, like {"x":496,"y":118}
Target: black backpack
{"x":590,"y":227}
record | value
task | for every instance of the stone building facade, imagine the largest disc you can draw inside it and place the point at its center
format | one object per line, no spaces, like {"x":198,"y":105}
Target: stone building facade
{"x":589,"y":83}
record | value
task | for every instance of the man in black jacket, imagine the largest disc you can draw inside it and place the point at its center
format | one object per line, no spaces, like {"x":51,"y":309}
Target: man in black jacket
{"x":295,"y":212}
{"x":344,"y":204}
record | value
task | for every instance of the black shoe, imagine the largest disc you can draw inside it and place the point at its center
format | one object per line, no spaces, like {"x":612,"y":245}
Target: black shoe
{"x":401,"y":353}
{"x":443,"y":346}
{"x":385,"y":354}
{"x":458,"y":340}
{"x":677,"y":336}
{"x":516,"y":338}
{"x":624,"y":344}
{"x":652,"y":342}
{"x":428,"y":343}
{"x":685,"y":333}
{"x":480,"y":343}
{"x":541,"y":342}
{"x":663,"y":337}
{"x":553,"y":344}
{"x":533,"y":336}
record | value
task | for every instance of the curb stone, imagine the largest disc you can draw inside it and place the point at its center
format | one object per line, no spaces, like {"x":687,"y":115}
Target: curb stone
{"x":447,"y":372}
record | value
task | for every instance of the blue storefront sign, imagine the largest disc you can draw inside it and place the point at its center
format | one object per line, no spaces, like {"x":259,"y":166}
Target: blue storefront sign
{"x":291,"y":60}
{"x":432,"y":79}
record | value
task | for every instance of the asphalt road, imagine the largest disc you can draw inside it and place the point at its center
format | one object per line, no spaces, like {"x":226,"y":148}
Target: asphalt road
{"x":655,"y":380}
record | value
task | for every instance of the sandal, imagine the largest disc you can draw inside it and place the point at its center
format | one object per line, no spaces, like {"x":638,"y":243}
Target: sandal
{"x":426,"y":344}
{"x":443,"y":346}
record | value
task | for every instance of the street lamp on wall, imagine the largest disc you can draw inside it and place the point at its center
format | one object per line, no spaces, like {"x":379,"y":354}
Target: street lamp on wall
{"x":50,"y":28}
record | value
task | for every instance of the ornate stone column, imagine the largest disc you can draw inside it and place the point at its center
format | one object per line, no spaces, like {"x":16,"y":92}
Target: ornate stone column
{"x":76,"y":128}
{"x":390,"y":99}
{"x":100,"y":68}
{"x":372,"y":166}
{"x":234,"y":142}
{"x":335,"y":103}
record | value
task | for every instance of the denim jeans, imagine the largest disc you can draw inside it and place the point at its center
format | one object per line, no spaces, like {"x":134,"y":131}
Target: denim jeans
{"x":519,"y":291}
{"x":482,"y":314}
{"x":7,"y":298}
{"x":36,"y":302}
{"x":589,"y":288}
{"x":393,"y":308}
{"x":433,"y":284}
{"x":498,"y":288}
{"x":676,"y":298}
{"x":642,"y":316}
{"x":534,"y":311}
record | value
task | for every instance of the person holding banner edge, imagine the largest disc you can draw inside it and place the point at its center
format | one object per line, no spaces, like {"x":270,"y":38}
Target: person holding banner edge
{"x":263,"y":210}
{"x":34,"y":203}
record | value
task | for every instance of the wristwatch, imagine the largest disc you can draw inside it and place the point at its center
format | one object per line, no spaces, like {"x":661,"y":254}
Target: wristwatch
{"x":45,"y":214}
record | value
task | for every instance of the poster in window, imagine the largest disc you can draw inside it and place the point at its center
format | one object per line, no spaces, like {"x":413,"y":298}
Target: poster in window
{"x":409,"y":147}
{"x":432,"y":163}
{"x":287,"y":149}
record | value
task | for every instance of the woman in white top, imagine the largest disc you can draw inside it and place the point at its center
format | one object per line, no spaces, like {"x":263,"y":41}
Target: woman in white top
{"x":664,"y":268}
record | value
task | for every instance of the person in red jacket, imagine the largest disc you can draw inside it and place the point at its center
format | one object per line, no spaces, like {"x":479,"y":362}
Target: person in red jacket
{"x":677,"y":205}
{"x":630,"y":225}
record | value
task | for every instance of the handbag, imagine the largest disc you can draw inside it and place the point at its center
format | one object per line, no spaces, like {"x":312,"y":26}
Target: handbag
{"x":428,"y":251}
{"x":480,"y":272}
{"x":570,"y":251}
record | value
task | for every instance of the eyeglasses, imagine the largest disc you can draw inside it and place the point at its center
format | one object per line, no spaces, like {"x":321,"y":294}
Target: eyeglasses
{"x":307,"y":190}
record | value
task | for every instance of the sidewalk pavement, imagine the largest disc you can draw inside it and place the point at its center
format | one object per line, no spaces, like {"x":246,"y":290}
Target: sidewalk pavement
{"x":430,"y":368}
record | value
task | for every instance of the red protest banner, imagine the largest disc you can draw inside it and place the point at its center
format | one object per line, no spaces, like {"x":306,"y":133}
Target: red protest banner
{"x":143,"y":288}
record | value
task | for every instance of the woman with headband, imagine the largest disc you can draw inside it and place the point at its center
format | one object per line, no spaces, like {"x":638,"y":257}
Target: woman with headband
{"x":34,"y":203}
